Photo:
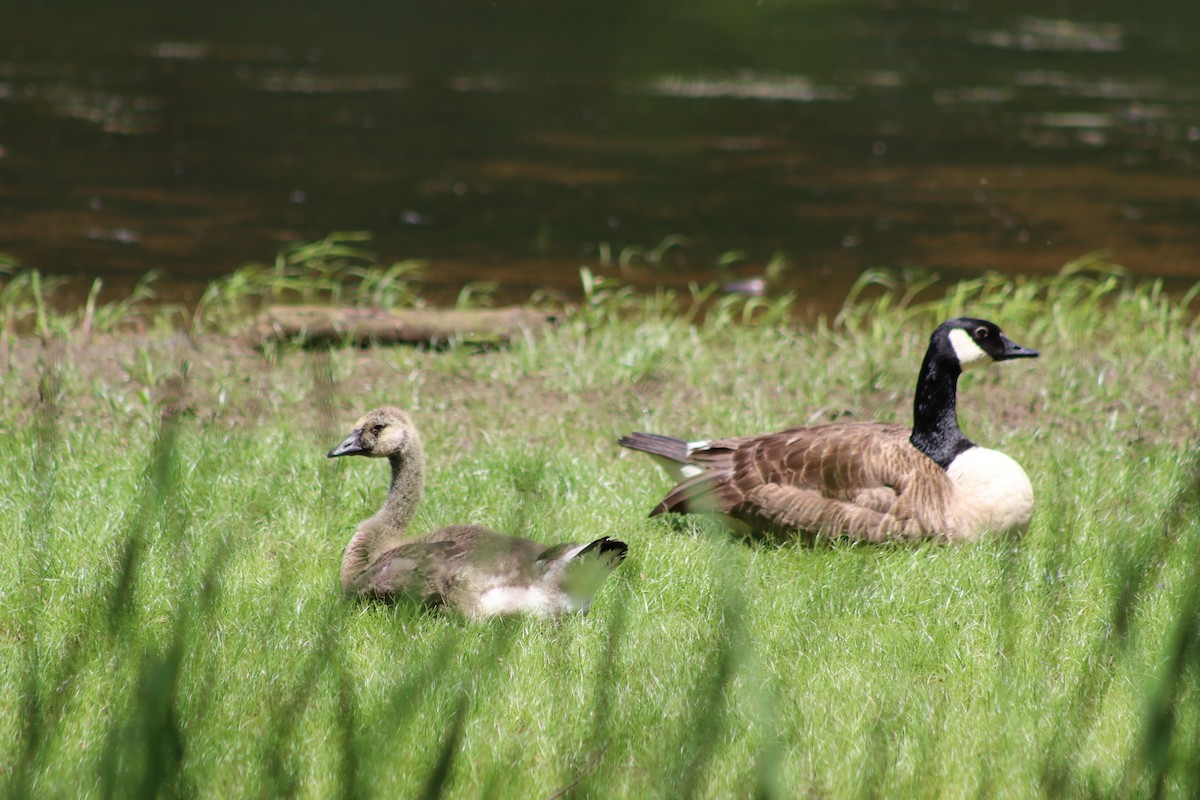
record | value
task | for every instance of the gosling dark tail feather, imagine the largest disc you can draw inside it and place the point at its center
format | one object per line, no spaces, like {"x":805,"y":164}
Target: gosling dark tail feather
{"x":608,"y":548}
{"x":656,"y":445}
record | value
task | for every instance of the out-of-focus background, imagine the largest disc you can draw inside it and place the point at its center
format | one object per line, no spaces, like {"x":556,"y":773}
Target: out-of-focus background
{"x":512,"y":141}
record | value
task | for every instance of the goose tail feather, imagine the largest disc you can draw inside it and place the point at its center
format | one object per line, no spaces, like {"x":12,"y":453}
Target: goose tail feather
{"x":667,"y":447}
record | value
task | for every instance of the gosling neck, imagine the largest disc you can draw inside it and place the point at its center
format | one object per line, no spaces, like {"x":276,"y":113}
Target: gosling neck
{"x":387,"y":527}
{"x":935,"y":419}
{"x":404,"y":492}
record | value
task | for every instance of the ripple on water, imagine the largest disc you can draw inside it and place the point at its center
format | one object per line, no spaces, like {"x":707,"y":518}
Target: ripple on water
{"x":1038,"y":34}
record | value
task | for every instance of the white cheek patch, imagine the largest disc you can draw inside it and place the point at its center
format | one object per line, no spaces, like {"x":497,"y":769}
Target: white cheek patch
{"x":969,"y":354}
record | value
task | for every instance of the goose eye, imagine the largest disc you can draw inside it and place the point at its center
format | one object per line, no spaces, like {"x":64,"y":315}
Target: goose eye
{"x":981,"y":333}
{"x":378,"y":429}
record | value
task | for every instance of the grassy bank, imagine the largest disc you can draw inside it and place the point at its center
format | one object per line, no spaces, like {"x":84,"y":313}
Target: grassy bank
{"x":170,"y":622}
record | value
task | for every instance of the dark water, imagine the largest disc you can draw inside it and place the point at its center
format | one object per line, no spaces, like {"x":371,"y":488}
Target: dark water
{"x":513,"y":141}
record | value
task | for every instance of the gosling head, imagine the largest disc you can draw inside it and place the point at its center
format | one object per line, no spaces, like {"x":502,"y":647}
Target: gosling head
{"x":975,"y":343}
{"x":381,"y":433}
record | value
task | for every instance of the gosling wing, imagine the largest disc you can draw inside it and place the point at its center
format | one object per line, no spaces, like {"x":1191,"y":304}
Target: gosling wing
{"x":418,"y":571}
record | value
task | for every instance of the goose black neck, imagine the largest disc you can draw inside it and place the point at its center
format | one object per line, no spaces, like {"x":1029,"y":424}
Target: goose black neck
{"x":935,"y":421}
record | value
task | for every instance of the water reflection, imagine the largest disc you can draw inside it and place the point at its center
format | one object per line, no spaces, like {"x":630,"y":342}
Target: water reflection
{"x":515,"y":141}
{"x":1053,"y":35}
{"x":745,"y":85}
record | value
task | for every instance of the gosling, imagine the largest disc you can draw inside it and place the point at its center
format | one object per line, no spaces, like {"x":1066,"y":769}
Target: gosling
{"x":467,"y":569}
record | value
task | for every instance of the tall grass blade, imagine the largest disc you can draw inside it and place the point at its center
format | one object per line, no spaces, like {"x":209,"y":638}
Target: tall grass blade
{"x":439,"y":777}
{"x":39,"y":715}
{"x":349,"y":765}
{"x":709,"y":702}
{"x":1170,"y":749}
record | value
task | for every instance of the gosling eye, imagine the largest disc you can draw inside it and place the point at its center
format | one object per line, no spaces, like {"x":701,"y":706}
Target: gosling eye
{"x":378,"y":429}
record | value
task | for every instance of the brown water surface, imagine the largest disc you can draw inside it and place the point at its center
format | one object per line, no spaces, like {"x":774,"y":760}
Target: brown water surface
{"x":515,"y":141}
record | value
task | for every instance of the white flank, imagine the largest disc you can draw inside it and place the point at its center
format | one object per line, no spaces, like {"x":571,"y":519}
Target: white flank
{"x":994,"y":493}
{"x":968,"y":353}
{"x":676,"y":471}
{"x":690,"y":470}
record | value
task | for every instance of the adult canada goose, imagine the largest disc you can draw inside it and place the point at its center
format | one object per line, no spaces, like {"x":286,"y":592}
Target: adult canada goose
{"x":867,"y":481}
{"x":468,"y":568}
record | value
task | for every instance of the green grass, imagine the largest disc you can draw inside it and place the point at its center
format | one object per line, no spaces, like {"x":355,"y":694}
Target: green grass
{"x":170,"y":622}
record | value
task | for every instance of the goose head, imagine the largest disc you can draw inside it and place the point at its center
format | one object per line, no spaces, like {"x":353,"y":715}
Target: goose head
{"x":381,"y":433}
{"x":970,"y":343}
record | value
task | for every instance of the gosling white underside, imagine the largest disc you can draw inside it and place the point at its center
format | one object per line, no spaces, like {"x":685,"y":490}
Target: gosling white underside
{"x":517,"y":600}
{"x":994,"y":493}
{"x":570,"y":584}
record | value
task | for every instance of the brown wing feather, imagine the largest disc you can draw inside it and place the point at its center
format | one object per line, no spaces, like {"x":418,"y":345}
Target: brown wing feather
{"x":861,"y":480}
{"x":415,"y":571}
